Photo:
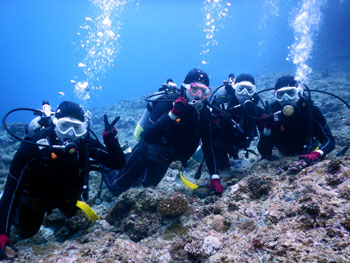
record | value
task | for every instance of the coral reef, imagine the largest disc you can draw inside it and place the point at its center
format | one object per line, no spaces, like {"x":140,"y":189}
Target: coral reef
{"x":259,"y":186}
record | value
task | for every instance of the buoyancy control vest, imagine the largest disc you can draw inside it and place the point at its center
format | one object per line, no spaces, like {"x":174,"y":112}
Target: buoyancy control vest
{"x":144,"y":122}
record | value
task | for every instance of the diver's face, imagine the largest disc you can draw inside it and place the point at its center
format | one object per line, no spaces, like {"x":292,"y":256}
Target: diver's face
{"x":244,"y":90}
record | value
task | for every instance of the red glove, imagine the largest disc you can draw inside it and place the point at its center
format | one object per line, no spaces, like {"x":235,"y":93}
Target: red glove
{"x":179,"y":106}
{"x":311,"y":157}
{"x":268,"y":121}
{"x":4,"y":242}
{"x":216,"y":186}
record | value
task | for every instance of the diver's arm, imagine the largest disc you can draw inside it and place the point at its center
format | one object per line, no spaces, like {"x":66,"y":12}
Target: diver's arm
{"x":241,"y":136}
{"x":259,"y":122}
{"x":322,"y":132}
{"x":265,"y":145}
{"x":266,"y":125}
{"x":16,"y":179}
{"x":206,"y":134}
{"x":111,"y":156}
{"x":248,"y":136}
{"x":161,"y":123}
{"x":249,"y":129}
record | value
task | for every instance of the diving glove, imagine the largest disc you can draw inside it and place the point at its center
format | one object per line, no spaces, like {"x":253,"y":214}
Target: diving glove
{"x":178,"y":108}
{"x":311,"y":157}
{"x":7,"y":250}
{"x":215,"y":184}
{"x":110,"y":131}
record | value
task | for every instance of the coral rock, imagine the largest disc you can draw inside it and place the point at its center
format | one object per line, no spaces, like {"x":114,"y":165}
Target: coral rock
{"x":194,"y":249}
{"x":218,"y":223}
{"x":259,"y":186}
{"x":210,"y":244}
{"x":173,"y":206}
{"x":296,"y":167}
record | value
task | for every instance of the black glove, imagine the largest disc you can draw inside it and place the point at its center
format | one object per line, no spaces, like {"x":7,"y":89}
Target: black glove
{"x":110,"y":131}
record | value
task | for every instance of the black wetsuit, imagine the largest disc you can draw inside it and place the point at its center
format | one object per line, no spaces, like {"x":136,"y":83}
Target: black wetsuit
{"x":161,"y":143}
{"x":235,"y":128}
{"x":38,"y":181}
{"x":299,"y":133}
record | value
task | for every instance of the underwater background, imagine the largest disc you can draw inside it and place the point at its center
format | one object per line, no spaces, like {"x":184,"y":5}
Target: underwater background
{"x":99,"y":52}
{"x":108,"y":55}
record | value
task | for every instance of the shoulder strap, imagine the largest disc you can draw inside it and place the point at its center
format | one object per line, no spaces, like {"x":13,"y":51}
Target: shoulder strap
{"x":40,"y":134}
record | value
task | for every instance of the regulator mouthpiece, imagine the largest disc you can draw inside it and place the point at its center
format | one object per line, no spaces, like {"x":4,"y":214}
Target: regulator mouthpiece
{"x":69,"y":147}
{"x":197,"y":104}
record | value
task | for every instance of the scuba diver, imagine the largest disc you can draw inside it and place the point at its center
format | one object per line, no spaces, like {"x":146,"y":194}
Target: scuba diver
{"x":294,"y":125}
{"x":178,"y":122}
{"x":235,"y":110}
{"x":51,"y":170}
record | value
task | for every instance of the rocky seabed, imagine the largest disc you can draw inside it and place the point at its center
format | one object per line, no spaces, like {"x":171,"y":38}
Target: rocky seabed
{"x":279,"y":211}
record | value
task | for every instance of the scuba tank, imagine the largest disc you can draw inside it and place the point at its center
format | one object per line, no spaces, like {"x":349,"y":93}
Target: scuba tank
{"x":43,"y":121}
{"x":226,"y":83}
{"x":37,"y":128}
{"x":167,"y":88}
{"x":40,"y":122}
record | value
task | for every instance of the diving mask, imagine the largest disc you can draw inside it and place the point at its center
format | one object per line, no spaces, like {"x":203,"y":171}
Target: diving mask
{"x":70,"y":128}
{"x":287,"y":94}
{"x":244,"y":88}
{"x":198,"y":90}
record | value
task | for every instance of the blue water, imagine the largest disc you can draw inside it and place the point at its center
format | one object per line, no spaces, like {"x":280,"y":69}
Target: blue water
{"x":40,"y":47}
